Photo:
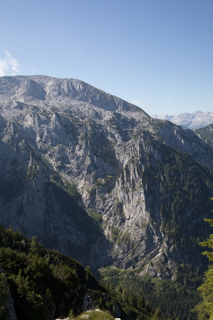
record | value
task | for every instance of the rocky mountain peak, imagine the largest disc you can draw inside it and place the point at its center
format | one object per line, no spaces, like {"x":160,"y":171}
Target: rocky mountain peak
{"x":97,"y":178}
{"x":69,"y":92}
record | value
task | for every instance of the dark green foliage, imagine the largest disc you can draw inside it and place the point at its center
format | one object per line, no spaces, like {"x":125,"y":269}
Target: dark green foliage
{"x":115,"y":233}
{"x":55,"y":178}
{"x":174,"y":300}
{"x":99,"y":145}
{"x":4,"y":296}
{"x":108,"y":302}
{"x":130,"y":298}
{"x":41,"y":278}
{"x":36,"y":285}
{"x":44,"y":283}
{"x":73,"y":192}
{"x":206,"y":134}
{"x":96,"y":216}
{"x":13,"y":239}
{"x":36,"y":247}
{"x":181,"y":186}
{"x":104,"y":149}
{"x":167,"y":298}
{"x":205,"y":307}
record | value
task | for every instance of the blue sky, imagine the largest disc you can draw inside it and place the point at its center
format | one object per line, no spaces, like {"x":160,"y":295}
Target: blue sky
{"x":157,"y":53}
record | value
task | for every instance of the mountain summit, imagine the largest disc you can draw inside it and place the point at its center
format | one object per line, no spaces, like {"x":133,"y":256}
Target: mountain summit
{"x":68,"y":92}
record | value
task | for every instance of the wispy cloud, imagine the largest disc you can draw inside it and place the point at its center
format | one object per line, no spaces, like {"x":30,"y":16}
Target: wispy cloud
{"x":137,"y":103}
{"x":9,"y":65}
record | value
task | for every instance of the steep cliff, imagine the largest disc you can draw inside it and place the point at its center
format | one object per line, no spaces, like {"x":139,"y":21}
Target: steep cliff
{"x":99,"y":179}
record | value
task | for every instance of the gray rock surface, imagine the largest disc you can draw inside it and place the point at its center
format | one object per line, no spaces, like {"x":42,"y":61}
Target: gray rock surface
{"x":84,"y":172}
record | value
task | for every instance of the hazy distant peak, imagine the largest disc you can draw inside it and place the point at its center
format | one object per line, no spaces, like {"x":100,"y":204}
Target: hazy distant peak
{"x":195,"y":120}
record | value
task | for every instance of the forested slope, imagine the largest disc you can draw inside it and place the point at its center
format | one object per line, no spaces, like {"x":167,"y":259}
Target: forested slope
{"x":46,"y":284}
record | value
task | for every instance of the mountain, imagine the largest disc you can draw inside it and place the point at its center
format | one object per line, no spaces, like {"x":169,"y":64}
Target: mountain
{"x":194,"y":120}
{"x":99,"y":179}
{"x":206,"y":134}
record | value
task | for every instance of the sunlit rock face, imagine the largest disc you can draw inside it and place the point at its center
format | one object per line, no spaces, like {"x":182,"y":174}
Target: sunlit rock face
{"x":99,"y":179}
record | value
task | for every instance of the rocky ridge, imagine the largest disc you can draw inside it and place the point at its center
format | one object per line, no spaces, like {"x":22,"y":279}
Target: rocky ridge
{"x":98,"y":178}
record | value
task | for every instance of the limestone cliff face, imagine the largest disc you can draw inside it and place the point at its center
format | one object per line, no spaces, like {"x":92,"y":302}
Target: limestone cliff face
{"x":97,"y":178}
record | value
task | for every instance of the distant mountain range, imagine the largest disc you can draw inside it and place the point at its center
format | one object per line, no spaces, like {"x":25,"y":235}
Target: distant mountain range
{"x":194,"y":120}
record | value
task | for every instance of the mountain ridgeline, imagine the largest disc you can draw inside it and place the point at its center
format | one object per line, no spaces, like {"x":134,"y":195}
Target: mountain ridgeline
{"x":100,"y":180}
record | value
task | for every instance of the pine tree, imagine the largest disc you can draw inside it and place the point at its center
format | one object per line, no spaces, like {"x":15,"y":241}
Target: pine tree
{"x":4,"y":296}
{"x":35,"y":247}
{"x":205,"y":307}
{"x":125,"y":296}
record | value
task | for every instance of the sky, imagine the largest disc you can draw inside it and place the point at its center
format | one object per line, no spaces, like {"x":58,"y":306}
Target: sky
{"x":157,"y":54}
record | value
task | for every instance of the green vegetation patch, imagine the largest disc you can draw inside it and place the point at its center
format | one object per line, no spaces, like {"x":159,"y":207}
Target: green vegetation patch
{"x":182,"y":186}
{"x":115,"y":233}
{"x":96,"y":216}
{"x":173,"y":299}
{"x":104,"y":181}
{"x":102,"y":147}
{"x":206,"y":134}
{"x":124,"y":238}
{"x":4,"y":297}
{"x":55,"y":178}
{"x":73,"y":191}
{"x":95,"y":315}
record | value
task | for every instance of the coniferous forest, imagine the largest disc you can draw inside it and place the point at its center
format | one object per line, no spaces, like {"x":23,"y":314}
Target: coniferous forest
{"x":46,"y":284}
